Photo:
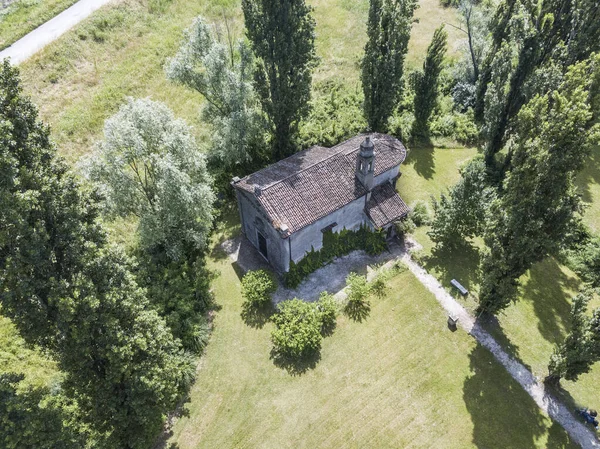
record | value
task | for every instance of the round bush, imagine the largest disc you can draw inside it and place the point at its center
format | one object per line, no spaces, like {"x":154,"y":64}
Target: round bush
{"x":257,"y":287}
{"x":328,"y":310}
{"x":420,"y":214}
{"x":297,"y":330}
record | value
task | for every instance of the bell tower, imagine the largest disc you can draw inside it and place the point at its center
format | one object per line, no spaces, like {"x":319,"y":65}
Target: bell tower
{"x":365,"y":164}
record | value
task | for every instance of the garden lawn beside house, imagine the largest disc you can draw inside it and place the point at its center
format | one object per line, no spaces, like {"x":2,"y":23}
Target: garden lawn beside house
{"x":399,"y":378}
{"x":22,"y":16}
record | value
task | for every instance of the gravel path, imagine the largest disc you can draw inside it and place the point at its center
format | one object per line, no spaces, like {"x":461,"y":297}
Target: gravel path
{"x":581,"y":434}
{"x":33,"y":42}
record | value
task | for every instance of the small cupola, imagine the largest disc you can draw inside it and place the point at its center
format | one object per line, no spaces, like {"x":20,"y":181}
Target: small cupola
{"x":365,"y":164}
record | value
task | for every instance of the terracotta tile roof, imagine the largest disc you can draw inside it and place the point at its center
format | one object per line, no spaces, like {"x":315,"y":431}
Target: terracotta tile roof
{"x":313,"y":183}
{"x":385,"y":205}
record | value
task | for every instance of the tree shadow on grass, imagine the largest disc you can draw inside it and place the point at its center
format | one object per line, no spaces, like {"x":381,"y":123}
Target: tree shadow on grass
{"x":257,"y":316}
{"x":460,"y":262}
{"x":422,"y":158}
{"x":502,"y":413}
{"x":558,"y":438}
{"x":546,"y":290}
{"x":181,"y":410}
{"x":358,"y":310}
{"x":589,"y":175}
{"x":295,"y":366}
{"x":491,"y":324}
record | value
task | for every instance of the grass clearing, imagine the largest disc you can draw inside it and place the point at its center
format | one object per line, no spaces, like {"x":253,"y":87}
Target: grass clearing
{"x":430,"y":170}
{"x":400,"y":378}
{"x":23,"y":16}
{"x":81,"y":79}
{"x":17,"y":357}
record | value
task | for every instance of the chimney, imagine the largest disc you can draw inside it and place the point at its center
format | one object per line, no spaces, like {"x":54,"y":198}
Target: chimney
{"x":365,"y":164}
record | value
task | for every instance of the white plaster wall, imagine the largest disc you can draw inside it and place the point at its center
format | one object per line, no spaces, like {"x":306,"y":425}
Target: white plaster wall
{"x":350,"y":216}
{"x":386,"y":176}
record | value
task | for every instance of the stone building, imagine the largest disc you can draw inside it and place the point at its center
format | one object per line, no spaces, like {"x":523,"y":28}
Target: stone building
{"x":285,"y":207}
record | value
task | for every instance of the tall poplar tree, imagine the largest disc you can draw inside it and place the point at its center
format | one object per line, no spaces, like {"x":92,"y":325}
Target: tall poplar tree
{"x":532,"y":45}
{"x":553,"y":136}
{"x":282,"y":36}
{"x":388,"y":31}
{"x":426,"y":89}
{"x":581,"y":349}
{"x":66,"y":290}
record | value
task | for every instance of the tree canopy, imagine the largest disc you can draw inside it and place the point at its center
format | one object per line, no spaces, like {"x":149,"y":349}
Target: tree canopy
{"x":388,"y":31}
{"x":71,"y":293}
{"x":223,"y":75}
{"x":149,"y":165}
{"x":282,"y":36}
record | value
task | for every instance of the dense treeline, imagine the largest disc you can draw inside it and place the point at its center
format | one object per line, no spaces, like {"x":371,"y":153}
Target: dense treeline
{"x":536,"y":102}
{"x":70,"y":292}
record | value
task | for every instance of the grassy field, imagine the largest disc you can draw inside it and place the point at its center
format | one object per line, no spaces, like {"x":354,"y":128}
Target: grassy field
{"x":588,"y":183}
{"x":17,"y":357}
{"x":398,"y":379}
{"x":83,"y":77}
{"x":23,"y":16}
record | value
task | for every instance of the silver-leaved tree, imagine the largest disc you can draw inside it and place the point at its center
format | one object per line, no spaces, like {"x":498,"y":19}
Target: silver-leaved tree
{"x":149,"y":165}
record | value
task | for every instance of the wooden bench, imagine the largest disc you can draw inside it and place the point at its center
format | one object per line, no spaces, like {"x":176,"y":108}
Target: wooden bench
{"x":463,"y":291}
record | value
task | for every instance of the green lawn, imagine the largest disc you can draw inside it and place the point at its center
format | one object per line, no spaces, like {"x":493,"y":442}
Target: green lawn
{"x":430,"y":171}
{"x":400,"y":378}
{"x":119,"y":51}
{"x":588,"y":183}
{"x":17,"y":357}
{"x":23,"y":16}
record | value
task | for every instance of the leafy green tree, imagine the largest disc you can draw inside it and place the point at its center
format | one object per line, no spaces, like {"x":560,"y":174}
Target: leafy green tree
{"x":426,"y":88}
{"x":461,"y":213}
{"x":388,"y":31}
{"x":585,"y":261}
{"x":149,"y":165}
{"x":257,"y":287}
{"x":327,"y":307}
{"x":554,"y":134}
{"x":32,"y":417}
{"x":581,"y":349}
{"x":223,"y":75}
{"x":543,"y":39}
{"x":297,"y":332}
{"x":68,"y":292}
{"x":282,"y":35}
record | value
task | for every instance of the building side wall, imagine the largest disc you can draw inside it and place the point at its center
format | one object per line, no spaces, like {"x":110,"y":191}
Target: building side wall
{"x":386,"y":176}
{"x":350,"y":216}
{"x":253,"y":220}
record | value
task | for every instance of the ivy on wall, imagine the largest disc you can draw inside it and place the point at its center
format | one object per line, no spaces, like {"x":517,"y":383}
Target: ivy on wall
{"x":335,"y":244}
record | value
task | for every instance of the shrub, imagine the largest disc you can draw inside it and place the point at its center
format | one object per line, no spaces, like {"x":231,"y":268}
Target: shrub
{"x":420,"y":214}
{"x":297,"y":332}
{"x":327,"y":307}
{"x":405,"y":226}
{"x":358,"y":288}
{"x":257,"y":287}
{"x":358,"y":305}
{"x":336,"y":114}
{"x":378,"y":286}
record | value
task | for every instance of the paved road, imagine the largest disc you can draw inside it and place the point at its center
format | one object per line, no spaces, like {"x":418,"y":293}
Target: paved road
{"x":51,"y":30}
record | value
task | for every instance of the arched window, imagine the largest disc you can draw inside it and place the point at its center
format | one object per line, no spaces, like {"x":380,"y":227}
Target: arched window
{"x":371,"y":166}
{"x":360,"y":165}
